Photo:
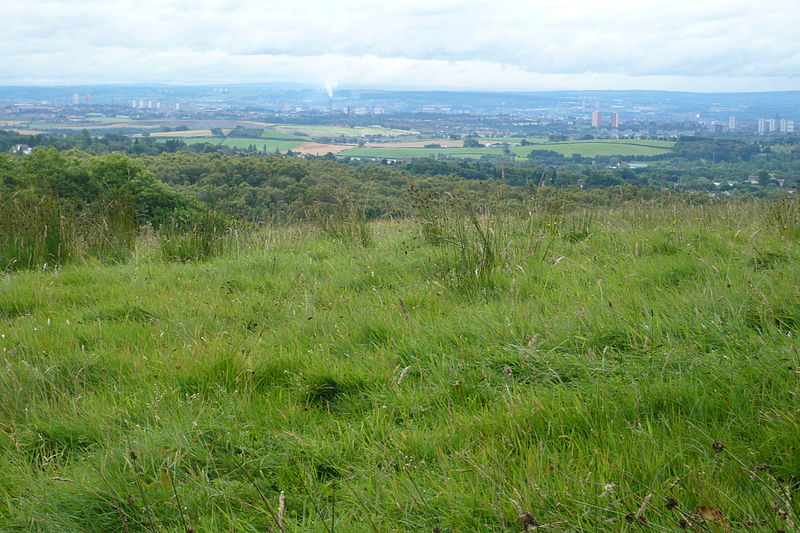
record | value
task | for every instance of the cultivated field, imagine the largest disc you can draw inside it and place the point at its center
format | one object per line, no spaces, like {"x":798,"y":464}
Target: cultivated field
{"x":182,"y":134}
{"x":321,"y":148}
{"x":262,"y":145}
{"x":336,"y":131}
{"x":583,"y":148}
{"x":625,"y":370}
{"x":275,"y":134}
{"x":24,"y":132}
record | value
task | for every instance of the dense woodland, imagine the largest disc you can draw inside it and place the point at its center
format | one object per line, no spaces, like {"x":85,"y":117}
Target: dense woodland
{"x":259,"y":188}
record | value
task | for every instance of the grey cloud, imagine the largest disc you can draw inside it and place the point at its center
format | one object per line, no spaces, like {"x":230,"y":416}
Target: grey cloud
{"x":202,"y":39}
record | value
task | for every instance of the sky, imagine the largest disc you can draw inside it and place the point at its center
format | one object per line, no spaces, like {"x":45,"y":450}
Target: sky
{"x":687,"y":45}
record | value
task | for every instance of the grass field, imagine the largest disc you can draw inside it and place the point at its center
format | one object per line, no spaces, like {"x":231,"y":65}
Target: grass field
{"x":595,"y":148}
{"x":275,"y":134}
{"x":584,"y":148}
{"x":608,"y":371}
{"x":263,"y":145}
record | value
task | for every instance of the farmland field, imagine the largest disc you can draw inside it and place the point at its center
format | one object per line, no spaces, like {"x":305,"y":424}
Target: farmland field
{"x":275,"y":134}
{"x":400,"y":153}
{"x":181,"y":134}
{"x":583,"y":148}
{"x":625,"y":370}
{"x":262,"y":145}
{"x":312,"y":148}
{"x":109,"y":120}
{"x":82,"y":125}
{"x":593,"y":148}
{"x":23,"y":131}
{"x":335,"y":131}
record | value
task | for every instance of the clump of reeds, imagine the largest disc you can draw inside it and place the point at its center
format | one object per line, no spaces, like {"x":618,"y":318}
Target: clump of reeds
{"x":471,"y":245}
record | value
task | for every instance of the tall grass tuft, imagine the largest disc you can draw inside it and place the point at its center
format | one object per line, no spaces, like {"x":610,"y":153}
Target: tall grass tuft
{"x":431,"y":213}
{"x":470,"y":246}
{"x":473,"y":248}
{"x":578,"y":227}
{"x":194,"y":240}
{"x":110,"y":235}
{"x":342,"y":221}
{"x":35,"y":233}
{"x":784,"y":217}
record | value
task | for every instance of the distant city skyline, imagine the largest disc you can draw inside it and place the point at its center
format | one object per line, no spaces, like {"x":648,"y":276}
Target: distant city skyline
{"x":710,"y":46}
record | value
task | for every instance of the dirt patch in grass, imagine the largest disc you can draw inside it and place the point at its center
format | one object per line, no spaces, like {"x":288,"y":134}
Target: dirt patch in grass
{"x":25,"y":132}
{"x":322,"y":148}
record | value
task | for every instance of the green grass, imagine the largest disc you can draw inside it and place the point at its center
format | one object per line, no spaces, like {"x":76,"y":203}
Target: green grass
{"x":584,"y":148}
{"x":618,"y":371}
{"x":262,"y":145}
{"x":275,"y":134}
{"x":595,"y":148}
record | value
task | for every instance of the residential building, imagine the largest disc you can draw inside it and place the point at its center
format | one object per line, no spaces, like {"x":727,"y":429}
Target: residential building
{"x":597,"y":118}
{"x":772,"y":125}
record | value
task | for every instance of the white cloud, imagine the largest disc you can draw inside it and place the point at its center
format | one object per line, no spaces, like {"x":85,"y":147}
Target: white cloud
{"x":541,"y":44}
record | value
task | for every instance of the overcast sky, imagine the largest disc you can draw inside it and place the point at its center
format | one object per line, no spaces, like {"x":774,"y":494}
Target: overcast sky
{"x":694,"y":45}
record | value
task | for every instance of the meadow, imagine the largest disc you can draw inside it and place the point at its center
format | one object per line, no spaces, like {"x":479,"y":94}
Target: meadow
{"x":623,"y":369}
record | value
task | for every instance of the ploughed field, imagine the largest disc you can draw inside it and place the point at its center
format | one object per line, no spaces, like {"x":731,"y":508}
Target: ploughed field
{"x":634,"y":369}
